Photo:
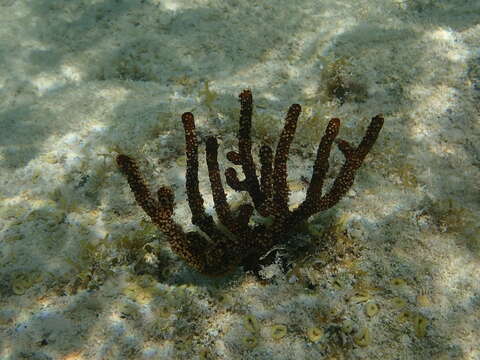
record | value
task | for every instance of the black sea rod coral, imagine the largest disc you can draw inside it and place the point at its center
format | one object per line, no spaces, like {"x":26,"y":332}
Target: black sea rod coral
{"x":219,"y":249}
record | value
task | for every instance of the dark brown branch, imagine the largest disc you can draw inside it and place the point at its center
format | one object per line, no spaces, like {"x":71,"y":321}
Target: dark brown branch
{"x":219,"y":198}
{"x":195,"y":199}
{"x":353,"y":160}
{"x":234,"y":157}
{"x":140,"y":190}
{"x":320,"y":169}
{"x":280,"y":187}
{"x":266,"y":179}
{"x":245,"y":150}
{"x":354,"y":157}
{"x":233,"y":181}
{"x":160,"y":212}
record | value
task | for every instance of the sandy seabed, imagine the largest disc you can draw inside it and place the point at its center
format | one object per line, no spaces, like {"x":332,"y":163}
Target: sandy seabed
{"x":391,"y":272}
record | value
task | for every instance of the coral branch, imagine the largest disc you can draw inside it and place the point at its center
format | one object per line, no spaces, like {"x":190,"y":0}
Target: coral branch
{"x":219,"y":198}
{"x":280,"y":187}
{"x":138,"y":186}
{"x":266,"y":179}
{"x":314,"y":202}
{"x":195,"y":199}
{"x":244,"y":155}
{"x":159,"y":211}
{"x":320,"y":169}
{"x":354,"y":159}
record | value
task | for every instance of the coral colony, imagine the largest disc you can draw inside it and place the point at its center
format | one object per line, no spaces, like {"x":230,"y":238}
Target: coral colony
{"x":219,"y":249}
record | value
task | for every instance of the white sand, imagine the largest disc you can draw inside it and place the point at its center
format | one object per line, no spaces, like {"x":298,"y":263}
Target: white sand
{"x":82,"y":80}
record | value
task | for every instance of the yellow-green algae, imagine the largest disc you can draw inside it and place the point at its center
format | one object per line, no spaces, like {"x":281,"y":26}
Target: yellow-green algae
{"x":278,"y":331}
{"x":314,"y":334}
{"x":363,"y":337}
{"x":371,"y":309}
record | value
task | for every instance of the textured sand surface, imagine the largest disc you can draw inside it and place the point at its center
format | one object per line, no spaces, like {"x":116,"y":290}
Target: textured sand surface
{"x":391,"y":272}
